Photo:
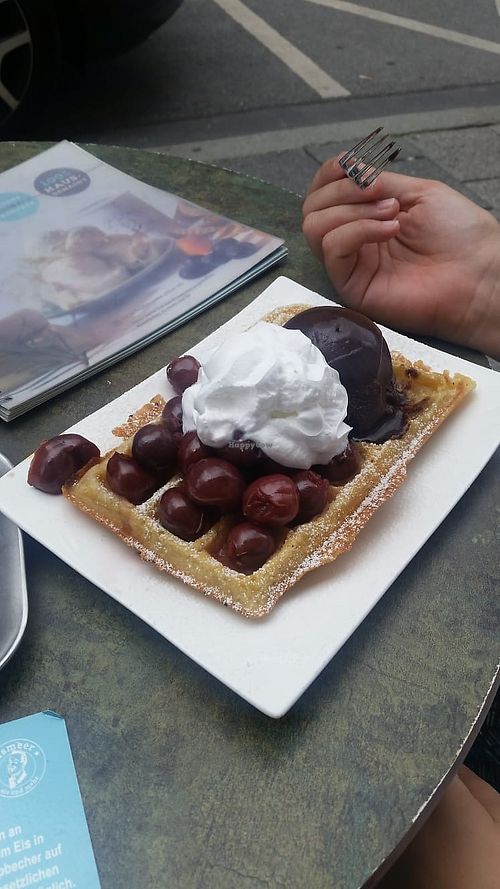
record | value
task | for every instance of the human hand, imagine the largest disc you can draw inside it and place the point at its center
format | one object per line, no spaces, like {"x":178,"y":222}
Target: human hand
{"x":410,"y":253}
{"x":458,"y":847}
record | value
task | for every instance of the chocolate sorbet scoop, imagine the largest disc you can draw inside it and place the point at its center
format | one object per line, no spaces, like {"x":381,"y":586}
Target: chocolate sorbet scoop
{"x":355,"y":347}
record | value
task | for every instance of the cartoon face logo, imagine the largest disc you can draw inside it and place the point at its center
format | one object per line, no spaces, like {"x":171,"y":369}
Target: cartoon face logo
{"x":22,"y":767}
{"x":16,"y":769}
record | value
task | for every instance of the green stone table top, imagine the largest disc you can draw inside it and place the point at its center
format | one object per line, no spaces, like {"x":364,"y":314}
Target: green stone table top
{"x":185,"y":785}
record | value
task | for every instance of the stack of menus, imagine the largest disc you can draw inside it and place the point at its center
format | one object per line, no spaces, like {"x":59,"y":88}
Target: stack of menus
{"x":95,"y":264}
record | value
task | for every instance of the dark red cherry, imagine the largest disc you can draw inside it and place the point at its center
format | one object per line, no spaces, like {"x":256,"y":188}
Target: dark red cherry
{"x":182,"y":372}
{"x":181,"y":516}
{"x":243,"y":453}
{"x":127,"y":479}
{"x":57,"y":460}
{"x":313,"y":494}
{"x":271,"y":500}
{"x":343,"y":468}
{"x":190,"y":449}
{"x":213,"y":482}
{"x":248,"y":547}
{"x":155,"y":448}
{"x":172,"y":414}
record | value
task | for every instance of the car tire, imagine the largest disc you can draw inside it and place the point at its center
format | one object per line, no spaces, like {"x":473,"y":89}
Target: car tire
{"x":30,"y":57}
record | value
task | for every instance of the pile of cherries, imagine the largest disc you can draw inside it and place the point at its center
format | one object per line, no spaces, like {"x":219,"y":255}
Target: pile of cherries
{"x":238,"y":479}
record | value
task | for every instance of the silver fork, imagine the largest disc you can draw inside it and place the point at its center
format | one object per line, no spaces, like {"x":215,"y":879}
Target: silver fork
{"x":366,"y":160}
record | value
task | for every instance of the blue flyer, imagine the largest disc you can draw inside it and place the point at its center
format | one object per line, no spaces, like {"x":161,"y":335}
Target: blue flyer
{"x":44,"y":838}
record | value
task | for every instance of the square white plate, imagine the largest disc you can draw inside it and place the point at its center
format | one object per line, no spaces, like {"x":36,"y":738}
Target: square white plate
{"x":270,"y":662}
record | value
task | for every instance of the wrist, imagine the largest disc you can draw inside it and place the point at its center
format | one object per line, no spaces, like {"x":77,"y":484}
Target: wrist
{"x":484,"y":320}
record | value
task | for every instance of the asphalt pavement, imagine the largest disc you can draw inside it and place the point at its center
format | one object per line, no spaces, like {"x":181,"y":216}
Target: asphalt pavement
{"x":271,"y":89}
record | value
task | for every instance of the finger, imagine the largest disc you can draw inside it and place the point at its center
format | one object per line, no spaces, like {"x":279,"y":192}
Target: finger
{"x":328,"y":172}
{"x":348,"y":239}
{"x":482,"y":791}
{"x":405,"y":189}
{"x":341,"y":246}
{"x":317,"y":224}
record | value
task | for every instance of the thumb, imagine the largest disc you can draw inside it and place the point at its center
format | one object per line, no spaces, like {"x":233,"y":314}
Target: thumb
{"x":406,"y":189}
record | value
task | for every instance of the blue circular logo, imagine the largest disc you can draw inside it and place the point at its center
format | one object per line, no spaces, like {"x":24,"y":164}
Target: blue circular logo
{"x":22,"y":767}
{"x":16,"y":205}
{"x":61,"y":182}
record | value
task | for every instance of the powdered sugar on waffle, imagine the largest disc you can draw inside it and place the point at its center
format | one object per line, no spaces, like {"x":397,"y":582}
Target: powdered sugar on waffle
{"x":328,"y":549}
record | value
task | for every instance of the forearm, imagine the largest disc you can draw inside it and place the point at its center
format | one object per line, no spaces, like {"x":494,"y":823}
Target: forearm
{"x":458,"y":847}
{"x":467,"y":283}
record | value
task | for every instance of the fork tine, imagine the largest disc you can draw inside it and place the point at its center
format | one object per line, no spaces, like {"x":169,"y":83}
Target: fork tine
{"x":366,"y":160}
{"x":371,"y":158}
{"x":360,"y":167}
{"x":370,"y":179}
{"x":352,"y":168}
{"x":349,"y":154}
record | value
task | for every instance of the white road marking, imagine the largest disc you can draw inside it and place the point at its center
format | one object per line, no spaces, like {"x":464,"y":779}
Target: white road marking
{"x":300,"y":64}
{"x":412,"y":25}
{"x":498,"y":6}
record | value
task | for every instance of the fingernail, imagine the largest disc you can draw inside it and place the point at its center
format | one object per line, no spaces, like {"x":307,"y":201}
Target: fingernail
{"x":390,"y":223}
{"x":384,"y":205}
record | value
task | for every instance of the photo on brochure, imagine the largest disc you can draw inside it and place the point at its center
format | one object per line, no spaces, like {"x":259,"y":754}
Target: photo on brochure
{"x":96,"y":264}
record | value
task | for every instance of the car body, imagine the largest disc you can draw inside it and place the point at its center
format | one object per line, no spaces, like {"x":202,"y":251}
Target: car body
{"x":38,"y":36}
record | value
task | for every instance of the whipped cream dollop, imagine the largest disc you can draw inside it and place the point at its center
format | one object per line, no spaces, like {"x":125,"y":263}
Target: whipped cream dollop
{"x":273,"y":386}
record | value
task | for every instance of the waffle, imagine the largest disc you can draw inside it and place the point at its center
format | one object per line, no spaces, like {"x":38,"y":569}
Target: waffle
{"x":431,"y":397}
